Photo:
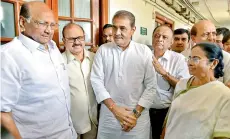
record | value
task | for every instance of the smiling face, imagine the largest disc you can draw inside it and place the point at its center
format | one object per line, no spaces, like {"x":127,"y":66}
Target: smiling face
{"x":74,"y":39}
{"x":122,"y":31}
{"x":198,"y":63}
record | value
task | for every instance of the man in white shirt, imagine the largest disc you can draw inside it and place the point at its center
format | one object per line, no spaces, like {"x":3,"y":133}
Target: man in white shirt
{"x":79,"y":62}
{"x":205,"y":31}
{"x":124,"y":83}
{"x":35,"y":97}
{"x":170,"y":67}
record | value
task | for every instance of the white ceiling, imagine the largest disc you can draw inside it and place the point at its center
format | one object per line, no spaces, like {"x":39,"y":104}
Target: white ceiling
{"x":215,"y":10}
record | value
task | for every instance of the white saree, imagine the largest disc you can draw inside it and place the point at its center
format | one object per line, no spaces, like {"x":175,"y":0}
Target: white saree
{"x":200,"y":113}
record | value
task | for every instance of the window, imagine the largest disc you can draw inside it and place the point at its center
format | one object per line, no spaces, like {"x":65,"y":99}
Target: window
{"x":82,"y":12}
{"x":162,"y":20}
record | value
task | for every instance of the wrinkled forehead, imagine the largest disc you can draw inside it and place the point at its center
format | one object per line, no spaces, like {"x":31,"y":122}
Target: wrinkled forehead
{"x":204,"y":28}
{"x":43,"y":15}
{"x":164,"y":31}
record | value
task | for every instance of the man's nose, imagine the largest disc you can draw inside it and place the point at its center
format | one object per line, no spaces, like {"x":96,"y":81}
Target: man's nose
{"x":48,"y":29}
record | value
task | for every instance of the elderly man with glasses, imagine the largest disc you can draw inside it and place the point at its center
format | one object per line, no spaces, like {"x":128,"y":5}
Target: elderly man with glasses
{"x":35,"y":95}
{"x":79,"y":62}
{"x":170,"y":67}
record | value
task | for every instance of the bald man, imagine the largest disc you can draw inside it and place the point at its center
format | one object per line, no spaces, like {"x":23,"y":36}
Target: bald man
{"x":205,"y":31}
{"x":35,"y":95}
{"x":79,"y":62}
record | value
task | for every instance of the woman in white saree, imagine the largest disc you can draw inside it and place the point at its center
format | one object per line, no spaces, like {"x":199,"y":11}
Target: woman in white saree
{"x":201,"y":105}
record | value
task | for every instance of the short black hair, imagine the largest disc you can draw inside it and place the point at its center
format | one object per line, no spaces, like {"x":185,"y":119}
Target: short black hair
{"x":180,"y":31}
{"x":107,"y":26}
{"x":25,"y":12}
{"x":222,"y":31}
{"x":213,"y":51}
{"x":226,"y":38}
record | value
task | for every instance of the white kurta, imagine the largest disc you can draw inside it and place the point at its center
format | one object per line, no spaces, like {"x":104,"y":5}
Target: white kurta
{"x":200,"y":113}
{"x":128,"y":78}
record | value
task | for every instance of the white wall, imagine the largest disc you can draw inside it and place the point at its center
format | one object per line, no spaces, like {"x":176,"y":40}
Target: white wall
{"x":143,"y":12}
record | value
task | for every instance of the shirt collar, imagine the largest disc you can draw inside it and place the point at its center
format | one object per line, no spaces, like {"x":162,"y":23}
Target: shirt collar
{"x":166,"y":55}
{"x":33,"y":45}
{"x":70,"y":57}
{"x":130,"y":45}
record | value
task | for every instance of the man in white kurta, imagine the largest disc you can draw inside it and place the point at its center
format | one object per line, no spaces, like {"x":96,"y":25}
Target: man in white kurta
{"x":126,"y":77}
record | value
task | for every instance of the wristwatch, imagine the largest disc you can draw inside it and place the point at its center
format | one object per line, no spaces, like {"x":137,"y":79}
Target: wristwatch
{"x":136,"y":113}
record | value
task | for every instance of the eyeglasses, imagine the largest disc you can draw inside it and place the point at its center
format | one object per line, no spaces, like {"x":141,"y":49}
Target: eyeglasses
{"x":72,"y":40}
{"x":43,"y":24}
{"x":196,"y":60}
{"x":207,"y":34}
{"x":157,"y":36}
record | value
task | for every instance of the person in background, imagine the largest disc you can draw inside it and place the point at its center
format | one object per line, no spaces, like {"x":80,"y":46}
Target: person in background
{"x":107,"y":36}
{"x":171,"y":67}
{"x":226,"y":42}
{"x":220,"y":33}
{"x":107,"y":33}
{"x":35,"y":95}
{"x":79,"y":62}
{"x":181,"y":41}
{"x":205,"y":31}
{"x":124,"y":83}
{"x":201,"y":104}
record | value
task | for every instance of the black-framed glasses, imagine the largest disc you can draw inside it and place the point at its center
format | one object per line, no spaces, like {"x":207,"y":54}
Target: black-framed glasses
{"x":72,"y":40}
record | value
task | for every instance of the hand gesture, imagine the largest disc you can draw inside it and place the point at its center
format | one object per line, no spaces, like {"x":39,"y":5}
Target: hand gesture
{"x":125,"y":117}
{"x":158,"y":67}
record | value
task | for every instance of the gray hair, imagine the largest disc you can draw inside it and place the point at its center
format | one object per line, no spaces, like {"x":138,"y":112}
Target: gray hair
{"x":125,"y":14}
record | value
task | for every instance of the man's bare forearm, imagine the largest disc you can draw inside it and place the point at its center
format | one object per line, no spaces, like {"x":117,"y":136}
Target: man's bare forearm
{"x":8,"y":122}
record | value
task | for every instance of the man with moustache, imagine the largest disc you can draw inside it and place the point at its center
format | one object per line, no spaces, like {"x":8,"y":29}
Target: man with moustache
{"x":205,"y":31}
{"x":108,"y":33}
{"x":181,"y":41}
{"x":35,"y":98}
{"x":170,"y":67}
{"x":124,"y":83}
{"x":79,"y":62}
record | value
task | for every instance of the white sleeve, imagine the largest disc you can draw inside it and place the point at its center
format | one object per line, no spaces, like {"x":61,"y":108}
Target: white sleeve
{"x":182,"y":71}
{"x":97,"y":77}
{"x":10,"y":82}
{"x":222,"y":128}
{"x":149,"y":97}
